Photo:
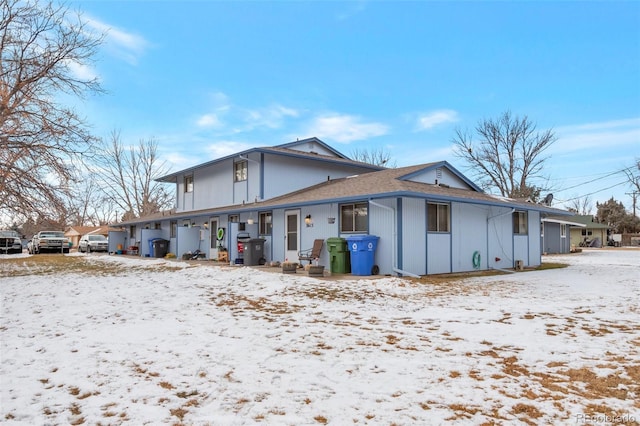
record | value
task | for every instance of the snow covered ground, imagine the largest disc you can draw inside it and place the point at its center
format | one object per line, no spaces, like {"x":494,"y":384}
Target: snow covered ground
{"x":126,"y":340}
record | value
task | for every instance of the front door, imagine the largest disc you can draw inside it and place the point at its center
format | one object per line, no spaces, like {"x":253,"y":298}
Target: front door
{"x":292,"y":235}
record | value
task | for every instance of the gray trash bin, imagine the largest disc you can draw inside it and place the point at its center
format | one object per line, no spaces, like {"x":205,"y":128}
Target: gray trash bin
{"x":254,"y":252}
{"x":159,"y":247}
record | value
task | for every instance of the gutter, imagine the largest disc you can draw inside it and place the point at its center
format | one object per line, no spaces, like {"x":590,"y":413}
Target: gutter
{"x":393,"y":241}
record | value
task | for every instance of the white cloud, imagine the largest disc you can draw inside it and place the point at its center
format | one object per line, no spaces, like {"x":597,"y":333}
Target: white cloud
{"x":344,"y":128}
{"x":81,"y":71}
{"x":352,"y":8}
{"x":121,"y":43}
{"x":271,"y":117}
{"x":209,"y":121}
{"x":223,"y":148}
{"x":435,"y":118}
{"x":609,"y":134}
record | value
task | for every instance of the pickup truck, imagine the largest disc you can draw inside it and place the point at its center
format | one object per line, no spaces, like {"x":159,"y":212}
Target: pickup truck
{"x":10,"y":242}
{"x":49,"y":241}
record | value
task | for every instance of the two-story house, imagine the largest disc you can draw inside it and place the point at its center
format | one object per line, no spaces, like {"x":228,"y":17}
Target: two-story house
{"x":429,"y":218}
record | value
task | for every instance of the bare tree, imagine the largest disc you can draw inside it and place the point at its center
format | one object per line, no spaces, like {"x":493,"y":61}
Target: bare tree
{"x":507,"y":155}
{"x":127,"y":177}
{"x":41,"y":139}
{"x":581,"y":205}
{"x":82,"y":201}
{"x":378,"y":157}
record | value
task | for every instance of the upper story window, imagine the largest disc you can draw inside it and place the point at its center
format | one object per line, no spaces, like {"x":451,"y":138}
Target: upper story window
{"x":265,"y":223}
{"x":520,"y":223}
{"x":188,"y":183}
{"x":240,"y":171}
{"x":438,"y":217}
{"x":234,"y":218}
{"x":354,"y":217}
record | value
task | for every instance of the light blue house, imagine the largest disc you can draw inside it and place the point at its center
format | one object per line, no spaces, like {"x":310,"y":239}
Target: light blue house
{"x":430,"y":219}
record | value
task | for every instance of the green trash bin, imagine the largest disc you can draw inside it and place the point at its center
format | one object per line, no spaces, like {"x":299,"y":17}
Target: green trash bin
{"x":339,"y":258}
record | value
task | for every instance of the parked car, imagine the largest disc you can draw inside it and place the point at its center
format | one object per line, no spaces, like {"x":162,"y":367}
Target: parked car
{"x":10,"y":242}
{"x":52,"y":241}
{"x":93,"y":242}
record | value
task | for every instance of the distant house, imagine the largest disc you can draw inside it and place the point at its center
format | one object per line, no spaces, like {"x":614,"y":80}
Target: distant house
{"x":74,"y":233}
{"x":592,"y":233}
{"x":429,"y":218}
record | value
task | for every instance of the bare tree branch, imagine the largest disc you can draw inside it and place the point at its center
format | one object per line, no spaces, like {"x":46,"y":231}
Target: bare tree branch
{"x":378,"y":157}
{"x":127,"y":177}
{"x":505,"y":155}
{"x":41,"y":139}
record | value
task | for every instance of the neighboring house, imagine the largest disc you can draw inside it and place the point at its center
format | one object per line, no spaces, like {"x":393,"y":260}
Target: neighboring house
{"x":555,"y":234}
{"x":74,"y":233}
{"x":429,"y":218}
{"x":593,"y":233}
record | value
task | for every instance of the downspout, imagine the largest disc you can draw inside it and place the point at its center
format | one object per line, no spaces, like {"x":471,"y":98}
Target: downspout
{"x":513,"y":209}
{"x":394,"y":266}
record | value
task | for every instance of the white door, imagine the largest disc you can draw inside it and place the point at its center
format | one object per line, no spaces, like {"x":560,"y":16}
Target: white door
{"x":292,"y":235}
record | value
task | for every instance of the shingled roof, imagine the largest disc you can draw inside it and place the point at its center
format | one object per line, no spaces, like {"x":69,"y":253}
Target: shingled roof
{"x":367,"y":186}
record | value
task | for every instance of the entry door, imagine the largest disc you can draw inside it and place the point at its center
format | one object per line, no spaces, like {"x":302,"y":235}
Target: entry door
{"x":213,"y":233}
{"x":292,"y":235}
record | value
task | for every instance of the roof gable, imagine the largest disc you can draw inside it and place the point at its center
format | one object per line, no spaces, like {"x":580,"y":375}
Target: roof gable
{"x":313,"y":146}
{"x":441,"y":173}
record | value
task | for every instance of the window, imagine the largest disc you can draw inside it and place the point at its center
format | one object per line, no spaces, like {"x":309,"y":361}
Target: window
{"x":174,"y":228}
{"x":437,"y":217}
{"x":234,"y":218}
{"x":188,"y":184}
{"x":563,"y":231}
{"x":265,"y":220}
{"x":354,"y":217}
{"x":132,"y":232}
{"x":240,"y":171}
{"x":157,"y":225}
{"x":520,"y":223}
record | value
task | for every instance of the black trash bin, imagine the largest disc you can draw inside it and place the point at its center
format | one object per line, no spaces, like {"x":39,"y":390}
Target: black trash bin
{"x":159,"y":247}
{"x":254,"y":251}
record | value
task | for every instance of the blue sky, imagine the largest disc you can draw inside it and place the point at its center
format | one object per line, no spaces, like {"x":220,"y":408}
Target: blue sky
{"x":209,"y":78}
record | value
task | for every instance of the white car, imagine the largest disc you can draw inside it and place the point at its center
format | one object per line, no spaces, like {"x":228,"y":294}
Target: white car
{"x":93,"y":242}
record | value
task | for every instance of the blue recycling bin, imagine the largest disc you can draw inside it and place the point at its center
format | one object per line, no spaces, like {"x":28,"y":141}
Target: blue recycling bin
{"x":362,"y":249}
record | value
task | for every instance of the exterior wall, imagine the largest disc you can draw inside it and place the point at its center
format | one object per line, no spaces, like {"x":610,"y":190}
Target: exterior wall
{"x":500,"y":238}
{"x":383,"y":216}
{"x":468,"y":235}
{"x":534,"y":254}
{"x":438,"y":253}
{"x":286,"y":174}
{"x":551,"y":242}
{"x":413,"y":236}
{"x":268,"y":176}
